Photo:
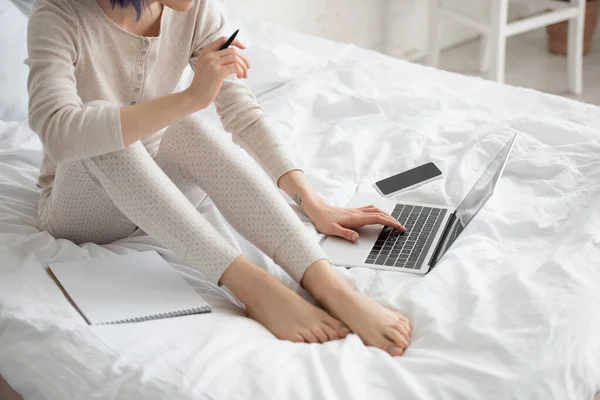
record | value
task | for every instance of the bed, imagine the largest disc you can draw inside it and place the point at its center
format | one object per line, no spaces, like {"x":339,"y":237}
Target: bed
{"x":511,"y":312}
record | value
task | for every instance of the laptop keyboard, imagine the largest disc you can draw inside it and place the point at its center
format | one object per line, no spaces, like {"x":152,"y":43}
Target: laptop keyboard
{"x":407,"y":250}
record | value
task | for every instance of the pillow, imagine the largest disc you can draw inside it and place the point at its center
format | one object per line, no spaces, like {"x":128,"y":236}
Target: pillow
{"x":13,"y":71}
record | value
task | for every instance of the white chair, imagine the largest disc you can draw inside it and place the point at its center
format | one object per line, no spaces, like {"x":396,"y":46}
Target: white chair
{"x":498,"y":28}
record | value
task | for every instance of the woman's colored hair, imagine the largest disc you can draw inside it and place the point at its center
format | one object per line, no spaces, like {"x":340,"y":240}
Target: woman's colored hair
{"x":137,"y":4}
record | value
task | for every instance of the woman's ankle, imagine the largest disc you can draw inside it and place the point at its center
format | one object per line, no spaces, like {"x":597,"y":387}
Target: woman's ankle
{"x":246,"y":280}
{"x":323,"y":282}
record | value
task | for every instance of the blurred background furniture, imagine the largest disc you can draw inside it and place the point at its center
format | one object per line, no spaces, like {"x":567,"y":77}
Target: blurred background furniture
{"x":497,"y":28}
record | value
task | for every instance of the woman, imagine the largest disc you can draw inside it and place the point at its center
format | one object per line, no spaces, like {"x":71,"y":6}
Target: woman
{"x":101,"y":87}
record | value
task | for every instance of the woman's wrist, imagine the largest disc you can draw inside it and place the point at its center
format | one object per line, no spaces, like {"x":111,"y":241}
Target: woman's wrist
{"x":311,"y":204}
{"x":190,"y":102}
{"x":308,"y":200}
{"x":295,"y":184}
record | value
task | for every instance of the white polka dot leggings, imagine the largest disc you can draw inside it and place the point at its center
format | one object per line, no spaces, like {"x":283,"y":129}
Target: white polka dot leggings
{"x":105,"y":198}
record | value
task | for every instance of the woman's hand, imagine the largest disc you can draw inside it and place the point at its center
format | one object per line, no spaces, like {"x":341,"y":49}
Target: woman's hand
{"x":330,"y":220}
{"x":212,"y":67}
{"x":338,"y":221}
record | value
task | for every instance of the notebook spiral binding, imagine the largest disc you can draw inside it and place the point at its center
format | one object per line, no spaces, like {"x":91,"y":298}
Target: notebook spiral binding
{"x":189,"y":311}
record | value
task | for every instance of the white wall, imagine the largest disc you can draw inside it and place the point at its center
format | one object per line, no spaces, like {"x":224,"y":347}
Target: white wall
{"x":406,"y":28}
{"x":355,"y":21}
{"x":396,"y":27}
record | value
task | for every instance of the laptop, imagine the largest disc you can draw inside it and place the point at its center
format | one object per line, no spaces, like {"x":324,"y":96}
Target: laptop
{"x":431,"y":230}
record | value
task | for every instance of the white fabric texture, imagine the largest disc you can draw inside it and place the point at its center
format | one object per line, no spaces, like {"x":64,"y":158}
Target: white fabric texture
{"x":13,"y":71}
{"x":511,"y":311}
{"x":105,"y":198}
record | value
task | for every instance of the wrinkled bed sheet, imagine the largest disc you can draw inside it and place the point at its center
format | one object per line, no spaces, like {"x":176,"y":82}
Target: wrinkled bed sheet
{"x":512,"y":311}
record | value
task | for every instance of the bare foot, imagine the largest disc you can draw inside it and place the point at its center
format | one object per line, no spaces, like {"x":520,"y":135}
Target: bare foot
{"x":289,"y":317}
{"x":277,"y":307}
{"x":375,"y":324}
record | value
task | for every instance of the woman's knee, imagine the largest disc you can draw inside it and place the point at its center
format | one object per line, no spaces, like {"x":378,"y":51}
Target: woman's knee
{"x":193,"y":131}
{"x":132,"y":160}
{"x":78,"y":209}
{"x":129,"y":154}
{"x":191,"y":124}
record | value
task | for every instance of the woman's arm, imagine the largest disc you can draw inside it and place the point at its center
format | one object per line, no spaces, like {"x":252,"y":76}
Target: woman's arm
{"x":295,"y":184}
{"x":141,"y":120}
{"x":212,"y":67}
{"x":236,"y":105}
{"x":70,"y":129}
{"x":67,"y":128}
{"x":330,"y":220}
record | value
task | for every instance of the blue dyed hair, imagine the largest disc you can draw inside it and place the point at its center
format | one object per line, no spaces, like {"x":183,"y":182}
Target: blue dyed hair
{"x":137,"y":4}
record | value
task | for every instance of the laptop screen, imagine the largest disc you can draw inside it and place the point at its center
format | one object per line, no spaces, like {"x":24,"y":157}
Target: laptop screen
{"x":478,"y":195}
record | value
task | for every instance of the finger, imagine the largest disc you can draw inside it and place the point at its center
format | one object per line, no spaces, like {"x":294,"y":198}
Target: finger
{"x":374,"y":210}
{"x":233,"y":51}
{"x":234,"y":58}
{"x":320,"y":334}
{"x":232,"y":69}
{"x":217,"y":44}
{"x":345,"y":233}
{"x":372,"y":219}
{"x":370,"y":209}
{"x":243,"y":57}
{"x":392,"y":222}
{"x":237,"y":43}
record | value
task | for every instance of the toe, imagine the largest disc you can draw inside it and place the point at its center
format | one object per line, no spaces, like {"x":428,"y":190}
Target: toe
{"x":295,"y":338}
{"x":397,"y":338}
{"x":331,"y":333}
{"x":391,"y":348}
{"x":395,"y":351}
{"x":338,"y":326}
{"x":404,"y":329}
{"x":309,"y":336}
{"x":320,"y":334}
{"x":402,"y":318}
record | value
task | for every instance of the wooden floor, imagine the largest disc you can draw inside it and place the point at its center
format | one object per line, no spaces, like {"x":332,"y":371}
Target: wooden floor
{"x":529,"y":64}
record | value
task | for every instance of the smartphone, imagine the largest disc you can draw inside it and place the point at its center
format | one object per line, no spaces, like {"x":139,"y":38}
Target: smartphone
{"x":407,"y":180}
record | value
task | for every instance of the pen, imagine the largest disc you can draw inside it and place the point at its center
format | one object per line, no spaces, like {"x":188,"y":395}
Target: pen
{"x":229,"y":41}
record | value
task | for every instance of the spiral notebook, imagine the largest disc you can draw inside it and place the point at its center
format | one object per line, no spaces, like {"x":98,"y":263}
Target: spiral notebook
{"x":126,"y":288}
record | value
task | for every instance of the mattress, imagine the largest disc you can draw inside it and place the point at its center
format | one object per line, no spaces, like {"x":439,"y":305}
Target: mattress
{"x":511,"y":311}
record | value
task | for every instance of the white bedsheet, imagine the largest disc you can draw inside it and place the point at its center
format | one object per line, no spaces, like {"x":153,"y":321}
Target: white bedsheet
{"x":512,"y":311}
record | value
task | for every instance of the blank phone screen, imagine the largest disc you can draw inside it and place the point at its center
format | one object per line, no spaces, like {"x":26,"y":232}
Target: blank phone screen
{"x":408,"y":178}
